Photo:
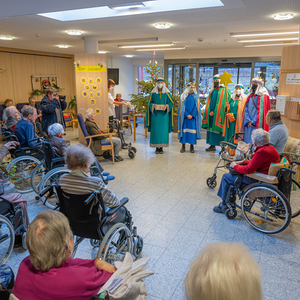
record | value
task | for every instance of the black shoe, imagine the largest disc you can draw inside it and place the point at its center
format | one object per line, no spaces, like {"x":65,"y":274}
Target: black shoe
{"x":192,"y":149}
{"x":119,"y":158}
{"x":157,"y":151}
{"x":211,"y":149}
{"x":18,"y":241}
{"x":182,"y":150}
{"x":161,"y":151}
{"x":116,"y":159}
{"x":221,"y":208}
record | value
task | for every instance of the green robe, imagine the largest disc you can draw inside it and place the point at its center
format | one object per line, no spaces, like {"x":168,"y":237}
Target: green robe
{"x":158,"y":122}
{"x":230,"y":126}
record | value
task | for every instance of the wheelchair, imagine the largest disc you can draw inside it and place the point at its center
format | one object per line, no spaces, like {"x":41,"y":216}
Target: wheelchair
{"x":226,"y":158}
{"x":266,"y":204}
{"x":8,"y":213}
{"x":110,"y":229}
{"x":24,"y":160}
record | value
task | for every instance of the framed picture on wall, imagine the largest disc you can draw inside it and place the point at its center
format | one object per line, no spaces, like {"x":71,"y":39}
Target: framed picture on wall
{"x":43,"y":82}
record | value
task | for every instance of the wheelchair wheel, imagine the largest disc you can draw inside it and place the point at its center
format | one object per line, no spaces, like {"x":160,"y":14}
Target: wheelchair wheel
{"x":138,"y":244}
{"x":52,"y":177}
{"x":37,"y":175}
{"x":295,"y":198}
{"x":94,"y":243}
{"x":131,"y":154}
{"x":231,"y":215}
{"x":7,"y":239}
{"x":133,"y":149}
{"x":116,"y":242}
{"x":211,"y":182}
{"x":266,"y":209}
{"x":21,"y":169}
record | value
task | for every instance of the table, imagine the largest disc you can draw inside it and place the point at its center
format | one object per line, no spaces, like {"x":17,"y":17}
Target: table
{"x":134,"y":124}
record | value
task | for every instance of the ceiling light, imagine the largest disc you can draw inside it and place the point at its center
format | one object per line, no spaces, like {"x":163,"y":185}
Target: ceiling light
{"x":145,"y":46}
{"x":102,"y":52}
{"x":160,"y":49}
{"x":129,"y":55}
{"x":63,"y":46}
{"x":74,"y":32}
{"x":127,"y":5}
{"x":261,"y":33}
{"x":268,"y":40}
{"x":284,"y":16}
{"x":265,"y":45}
{"x":6,"y":38}
{"x":162,"y":25}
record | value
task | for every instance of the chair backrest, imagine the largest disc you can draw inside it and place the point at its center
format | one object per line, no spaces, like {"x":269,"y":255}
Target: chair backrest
{"x":84,"y":219}
{"x":2,"y":106}
{"x":82,"y":126}
{"x":285,"y":182}
{"x":49,"y":154}
{"x":6,"y":207}
{"x":19,"y":106}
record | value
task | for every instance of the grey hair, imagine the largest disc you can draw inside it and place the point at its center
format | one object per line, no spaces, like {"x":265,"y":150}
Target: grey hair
{"x":55,"y":129}
{"x":224,"y":271}
{"x":48,"y":240}
{"x":27,"y":110}
{"x":260,"y":137}
{"x":9,"y":111}
{"x":88,"y":112}
{"x":274,"y":115}
{"x":78,"y":156}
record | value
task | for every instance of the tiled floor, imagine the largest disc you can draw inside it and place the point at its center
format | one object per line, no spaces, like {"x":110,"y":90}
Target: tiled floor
{"x":172,"y":208}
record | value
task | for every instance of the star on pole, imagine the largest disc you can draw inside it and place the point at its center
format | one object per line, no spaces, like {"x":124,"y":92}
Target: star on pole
{"x":225,"y":78}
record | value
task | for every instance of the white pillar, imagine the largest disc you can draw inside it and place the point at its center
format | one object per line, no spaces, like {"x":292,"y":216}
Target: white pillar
{"x":90,"y":44}
{"x":299,"y":36}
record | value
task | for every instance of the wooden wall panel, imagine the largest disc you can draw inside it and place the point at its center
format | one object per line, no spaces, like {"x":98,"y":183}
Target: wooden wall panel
{"x":22,"y":69}
{"x":65,"y":76}
{"x":44,"y":65}
{"x":290,"y":63}
{"x":83,"y":103}
{"x":6,"y":79}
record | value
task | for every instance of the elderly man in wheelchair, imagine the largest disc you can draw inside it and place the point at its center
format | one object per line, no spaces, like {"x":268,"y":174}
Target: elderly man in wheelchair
{"x":263,"y":184}
{"x":93,"y":210}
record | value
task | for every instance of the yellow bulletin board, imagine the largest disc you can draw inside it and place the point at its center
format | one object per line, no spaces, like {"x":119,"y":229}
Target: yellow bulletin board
{"x":91,"y":86}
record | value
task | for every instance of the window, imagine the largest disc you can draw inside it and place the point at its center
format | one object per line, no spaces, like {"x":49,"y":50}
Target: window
{"x":234,"y":72}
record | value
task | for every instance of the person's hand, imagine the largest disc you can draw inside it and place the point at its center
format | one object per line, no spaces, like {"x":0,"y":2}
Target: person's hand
{"x":11,"y":145}
{"x":211,"y":113}
{"x":250,"y":124}
{"x":103,"y":265}
{"x":227,"y":104}
{"x":233,"y":164}
{"x":189,"y":117}
{"x":164,"y":107}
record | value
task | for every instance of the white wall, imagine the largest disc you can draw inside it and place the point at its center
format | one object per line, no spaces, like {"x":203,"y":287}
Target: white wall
{"x":125,"y":67}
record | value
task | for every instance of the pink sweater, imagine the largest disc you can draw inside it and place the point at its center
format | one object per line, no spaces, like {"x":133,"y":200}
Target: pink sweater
{"x":75,"y":279}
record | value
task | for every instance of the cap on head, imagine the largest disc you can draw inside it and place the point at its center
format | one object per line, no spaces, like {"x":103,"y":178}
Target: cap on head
{"x":239,"y":85}
{"x":160,"y":79}
{"x":217,"y":76}
{"x":258,"y":81}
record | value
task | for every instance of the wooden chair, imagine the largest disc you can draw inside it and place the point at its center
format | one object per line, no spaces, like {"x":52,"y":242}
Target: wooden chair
{"x":88,"y":137}
{"x":70,"y":118}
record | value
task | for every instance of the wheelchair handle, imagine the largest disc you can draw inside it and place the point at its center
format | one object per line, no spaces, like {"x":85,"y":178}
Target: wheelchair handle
{"x":46,"y":190}
{"x":90,"y":198}
{"x":37,"y":138}
{"x":295,"y":162}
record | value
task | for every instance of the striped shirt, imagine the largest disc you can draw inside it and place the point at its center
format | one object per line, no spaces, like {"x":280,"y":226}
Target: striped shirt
{"x":80,"y":183}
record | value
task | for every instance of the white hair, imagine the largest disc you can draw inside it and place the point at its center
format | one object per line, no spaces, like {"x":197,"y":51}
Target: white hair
{"x":55,"y":129}
{"x":88,"y":112}
{"x":9,"y":111}
{"x":223,"y":271}
{"x":260,"y":137}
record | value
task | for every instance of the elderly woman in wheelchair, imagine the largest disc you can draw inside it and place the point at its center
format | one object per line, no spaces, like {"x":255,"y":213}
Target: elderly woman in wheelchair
{"x":50,"y":272}
{"x":264,"y":198}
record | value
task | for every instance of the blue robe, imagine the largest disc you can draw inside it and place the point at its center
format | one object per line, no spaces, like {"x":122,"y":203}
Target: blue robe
{"x":250,"y":116}
{"x":213,"y":138}
{"x":189,"y":129}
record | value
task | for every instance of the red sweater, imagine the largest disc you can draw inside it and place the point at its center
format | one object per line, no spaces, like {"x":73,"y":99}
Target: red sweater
{"x":261,"y":160}
{"x":75,"y":279}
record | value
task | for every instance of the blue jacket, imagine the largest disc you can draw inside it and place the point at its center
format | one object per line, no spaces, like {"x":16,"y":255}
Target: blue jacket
{"x":48,"y":112}
{"x":25,"y":132}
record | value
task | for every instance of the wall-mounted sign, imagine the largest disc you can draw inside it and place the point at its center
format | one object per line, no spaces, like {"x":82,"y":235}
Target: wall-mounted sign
{"x":293,"y":78}
{"x":91,"y":69}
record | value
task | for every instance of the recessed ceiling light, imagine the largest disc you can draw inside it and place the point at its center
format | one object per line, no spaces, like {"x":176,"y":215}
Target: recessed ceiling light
{"x":284,"y":16}
{"x":266,"y":45}
{"x":102,"y":52}
{"x":129,"y":55}
{"x":268,"y":40}
{"x":6,"y":38}
{"x":63,"y":46}
{"x":74,"y":32}
{"x":261,"y":33}
{"x":145,"y":46}
{"x":160,"y":49}
{"x":162,"y":25}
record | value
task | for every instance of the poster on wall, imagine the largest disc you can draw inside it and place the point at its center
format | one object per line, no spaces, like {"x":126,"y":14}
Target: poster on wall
{"x":293,"y":78}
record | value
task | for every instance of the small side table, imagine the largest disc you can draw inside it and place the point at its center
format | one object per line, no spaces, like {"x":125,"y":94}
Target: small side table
{"x":134,"y":125}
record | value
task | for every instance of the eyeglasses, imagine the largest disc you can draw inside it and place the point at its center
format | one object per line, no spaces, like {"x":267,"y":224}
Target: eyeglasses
{"x":54,"y":94}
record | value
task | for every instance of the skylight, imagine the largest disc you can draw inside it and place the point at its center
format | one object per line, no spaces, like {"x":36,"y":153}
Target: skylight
{"x":152,"y":7}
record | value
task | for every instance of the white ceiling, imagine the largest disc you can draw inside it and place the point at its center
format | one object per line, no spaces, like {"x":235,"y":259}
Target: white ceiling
{"x":213,"y":25}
